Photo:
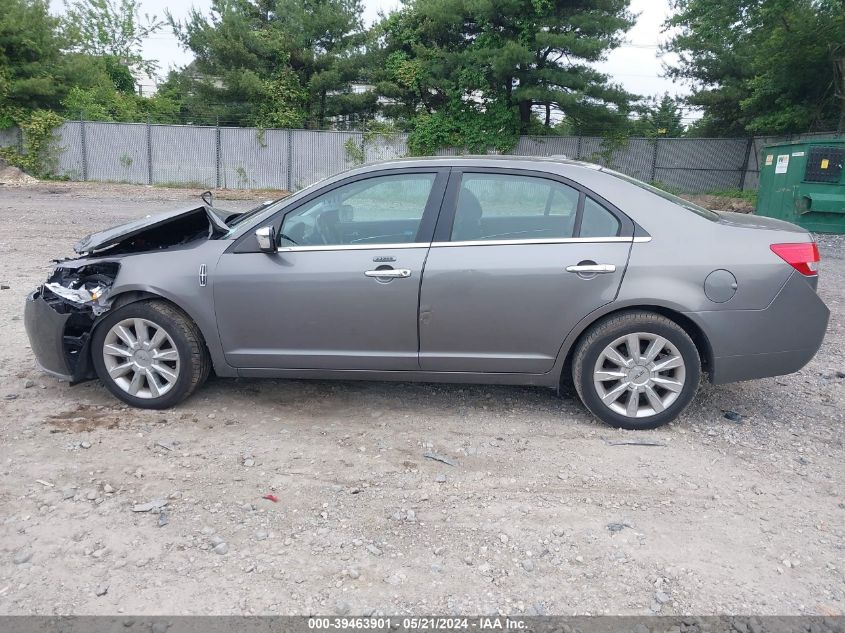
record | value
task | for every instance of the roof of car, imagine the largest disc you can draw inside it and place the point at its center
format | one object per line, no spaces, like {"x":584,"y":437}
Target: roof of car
{"x":485,"y":159}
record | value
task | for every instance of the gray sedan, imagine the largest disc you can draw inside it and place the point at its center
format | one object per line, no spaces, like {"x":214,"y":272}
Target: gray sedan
{"x":491,"y":270}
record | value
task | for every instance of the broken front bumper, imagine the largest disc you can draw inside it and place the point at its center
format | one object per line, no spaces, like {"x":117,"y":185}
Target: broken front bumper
{"x":55,"y":353}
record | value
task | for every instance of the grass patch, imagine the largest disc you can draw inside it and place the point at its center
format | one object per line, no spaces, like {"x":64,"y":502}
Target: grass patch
{"x":227,"y":194}
{"x":667,"y":188}
{"x":748,"y":195}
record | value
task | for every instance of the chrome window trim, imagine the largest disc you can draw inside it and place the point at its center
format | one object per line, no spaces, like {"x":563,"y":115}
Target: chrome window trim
{"x":562,"y":240}
{"x":370,"y":247}
{"x":351,"y":247}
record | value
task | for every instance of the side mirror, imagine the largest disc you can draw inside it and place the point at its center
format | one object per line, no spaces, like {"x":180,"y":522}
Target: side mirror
{"x":266,"y":237}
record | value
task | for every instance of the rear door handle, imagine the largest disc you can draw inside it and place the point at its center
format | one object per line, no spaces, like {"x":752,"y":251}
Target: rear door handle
{"x":591,"y":269}
{"x":398,"y":273}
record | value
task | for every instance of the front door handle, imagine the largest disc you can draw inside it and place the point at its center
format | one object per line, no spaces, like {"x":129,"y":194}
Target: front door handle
{"x":591,"y":269}
{"x":392,"y":273}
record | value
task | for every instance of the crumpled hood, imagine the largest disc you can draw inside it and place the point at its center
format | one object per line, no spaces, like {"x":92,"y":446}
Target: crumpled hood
{"x":104,"y":239}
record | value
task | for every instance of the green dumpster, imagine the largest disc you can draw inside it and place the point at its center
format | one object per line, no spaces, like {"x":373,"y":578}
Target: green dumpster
{"x":804,"y":183}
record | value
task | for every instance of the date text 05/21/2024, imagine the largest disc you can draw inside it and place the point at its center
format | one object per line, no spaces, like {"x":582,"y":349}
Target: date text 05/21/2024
{"x":417,"y":623}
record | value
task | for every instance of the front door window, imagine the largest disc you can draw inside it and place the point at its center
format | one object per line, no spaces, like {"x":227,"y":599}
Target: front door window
{"x":379,"y":210}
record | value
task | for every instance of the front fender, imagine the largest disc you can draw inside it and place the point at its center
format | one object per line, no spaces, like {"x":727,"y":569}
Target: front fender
{"x":124,"y":295}
{"x":174,"y":275}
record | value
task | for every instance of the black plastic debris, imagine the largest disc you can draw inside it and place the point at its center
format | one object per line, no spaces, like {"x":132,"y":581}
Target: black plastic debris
{"x":633,"y":443}
{"x":439,"y":458}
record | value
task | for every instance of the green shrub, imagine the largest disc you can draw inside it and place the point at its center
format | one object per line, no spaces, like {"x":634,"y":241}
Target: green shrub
{"x":39,"y":152}
{"x":469,"y":127}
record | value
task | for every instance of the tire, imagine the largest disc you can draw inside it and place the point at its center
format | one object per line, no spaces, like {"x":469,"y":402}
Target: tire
{"x":664,"y":385}
{"x":176,"y":361}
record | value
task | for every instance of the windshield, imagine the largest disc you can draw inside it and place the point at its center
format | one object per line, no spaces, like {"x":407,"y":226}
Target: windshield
{"x":267,"y":209}
{"x":686,"y":204}
{"x":251,"y":212}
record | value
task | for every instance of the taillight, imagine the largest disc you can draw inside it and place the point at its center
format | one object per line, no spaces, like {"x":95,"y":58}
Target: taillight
{"x":803,"y":257}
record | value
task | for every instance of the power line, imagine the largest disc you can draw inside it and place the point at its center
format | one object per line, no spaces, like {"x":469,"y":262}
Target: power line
{"x":170,"y":36}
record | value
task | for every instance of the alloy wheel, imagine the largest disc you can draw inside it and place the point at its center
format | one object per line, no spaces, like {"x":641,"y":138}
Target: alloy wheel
{"x":141,"y":358}
{"x":639,"y":375}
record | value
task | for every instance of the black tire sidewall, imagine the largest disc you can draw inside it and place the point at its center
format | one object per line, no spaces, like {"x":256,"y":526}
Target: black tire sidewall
{"x":144,"y":310}
{"x":678,"y":338}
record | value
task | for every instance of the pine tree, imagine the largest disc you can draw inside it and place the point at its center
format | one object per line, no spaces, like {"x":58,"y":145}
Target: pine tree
{"x":666,"y":118}
{"x":761,"y":66}
{"x":273,"y":61}
{"x":531,"y":56}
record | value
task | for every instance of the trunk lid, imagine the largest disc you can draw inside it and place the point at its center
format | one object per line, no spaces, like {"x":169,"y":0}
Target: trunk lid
{"x":750,"y":221}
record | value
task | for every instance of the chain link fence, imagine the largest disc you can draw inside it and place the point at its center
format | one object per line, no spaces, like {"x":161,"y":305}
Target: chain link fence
{"x":254,"y":158}
{"x":9,"y":137}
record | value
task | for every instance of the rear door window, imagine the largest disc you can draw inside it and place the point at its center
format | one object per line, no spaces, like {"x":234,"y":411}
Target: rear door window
{"x":494,"y":207}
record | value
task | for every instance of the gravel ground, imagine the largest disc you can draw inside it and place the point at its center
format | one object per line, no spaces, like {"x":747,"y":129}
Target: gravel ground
{"x":540,"y":513}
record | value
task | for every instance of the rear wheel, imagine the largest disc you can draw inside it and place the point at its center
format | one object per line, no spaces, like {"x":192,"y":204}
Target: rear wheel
{"x":636,"y":370}
{"x":150,"y":354}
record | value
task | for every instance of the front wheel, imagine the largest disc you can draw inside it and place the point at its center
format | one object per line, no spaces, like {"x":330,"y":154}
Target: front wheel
{"x":150,"y":354}
{"x":636,"y":370}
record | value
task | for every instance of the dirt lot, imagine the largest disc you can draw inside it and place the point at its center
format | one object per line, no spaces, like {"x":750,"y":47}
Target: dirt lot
{"x":723,"y":203}
{"x":539,"y":514}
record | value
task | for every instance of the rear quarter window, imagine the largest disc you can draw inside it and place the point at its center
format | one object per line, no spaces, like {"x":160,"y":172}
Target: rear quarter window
{"x":598,"y":221}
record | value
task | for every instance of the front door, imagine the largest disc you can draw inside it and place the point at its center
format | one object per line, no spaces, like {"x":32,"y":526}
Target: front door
{"x":342,"y":292}
{"x":521,"y":259}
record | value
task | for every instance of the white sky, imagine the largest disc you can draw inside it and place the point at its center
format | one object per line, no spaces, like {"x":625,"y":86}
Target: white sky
{"x":635,"y":65}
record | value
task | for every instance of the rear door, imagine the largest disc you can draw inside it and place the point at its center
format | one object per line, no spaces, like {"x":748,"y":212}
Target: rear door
{"x":518,"y":258}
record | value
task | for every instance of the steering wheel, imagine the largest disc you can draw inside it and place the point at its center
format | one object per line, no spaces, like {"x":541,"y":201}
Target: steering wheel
{"x":326,"y":225}
{"x":289,"y":239}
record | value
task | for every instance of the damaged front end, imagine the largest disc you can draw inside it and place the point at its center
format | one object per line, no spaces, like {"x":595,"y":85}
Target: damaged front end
{"x":60,"y":316}
{"x":158,"y":232}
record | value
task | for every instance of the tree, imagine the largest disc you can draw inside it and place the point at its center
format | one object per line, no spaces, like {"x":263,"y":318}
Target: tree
{"x":667,"y":118}
{"x":30,"y":50}
{"x":414,"y":59}
{"x":35,"y":72}
{"x":111,"y":29}
{"x":274,"y":61}
{"x":104,"y":103}
{"x":489,"y":57}
{"x":662,"y":118}
{"x":761,"y":66}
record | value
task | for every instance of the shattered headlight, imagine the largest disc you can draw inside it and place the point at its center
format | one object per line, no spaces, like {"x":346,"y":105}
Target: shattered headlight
{"x":84,"y":287}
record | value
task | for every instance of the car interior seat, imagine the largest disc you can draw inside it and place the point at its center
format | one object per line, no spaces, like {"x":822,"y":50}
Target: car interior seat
{"x":468,"y":214}
{"x":328,"y":226}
